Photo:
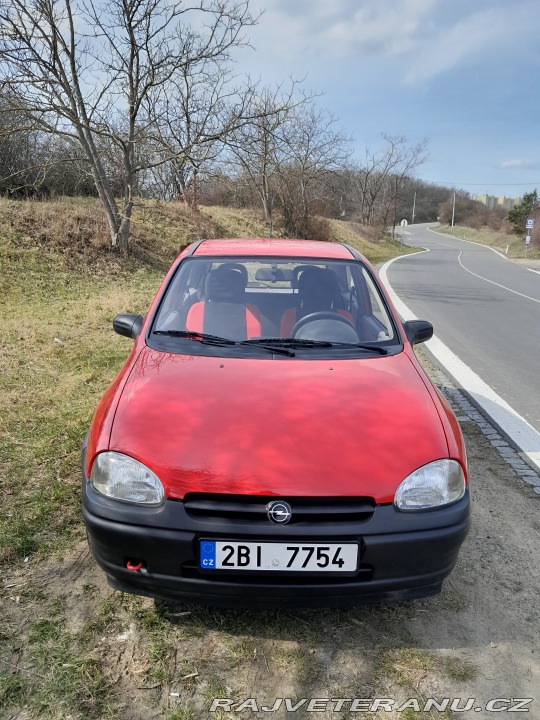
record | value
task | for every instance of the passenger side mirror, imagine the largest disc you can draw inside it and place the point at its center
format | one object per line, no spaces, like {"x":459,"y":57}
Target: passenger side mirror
{"x":418,"y":331}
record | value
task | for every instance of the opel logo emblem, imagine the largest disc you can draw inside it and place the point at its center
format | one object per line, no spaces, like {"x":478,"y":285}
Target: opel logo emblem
{"x":279,"y":512}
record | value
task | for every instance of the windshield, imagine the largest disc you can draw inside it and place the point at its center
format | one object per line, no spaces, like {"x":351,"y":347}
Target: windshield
{"x":295,"y":303}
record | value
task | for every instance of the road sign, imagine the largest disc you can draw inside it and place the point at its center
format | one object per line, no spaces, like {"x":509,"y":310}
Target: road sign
{"x":403,"y":223}
{"x":528,"y":240}
{"x":530,"y":224}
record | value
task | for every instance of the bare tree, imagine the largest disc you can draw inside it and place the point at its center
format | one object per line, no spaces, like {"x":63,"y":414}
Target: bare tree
{"x":96,"y":75}
{"x":378,"y":180}
{"x":204,"y":106}
{"x":21,"y":162}
{"x":33,"y":165}
{"x":313,"y":149}
{"x":259,"y":147}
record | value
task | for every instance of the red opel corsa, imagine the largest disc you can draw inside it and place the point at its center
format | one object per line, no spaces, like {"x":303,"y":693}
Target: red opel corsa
{"x":272,"y":438}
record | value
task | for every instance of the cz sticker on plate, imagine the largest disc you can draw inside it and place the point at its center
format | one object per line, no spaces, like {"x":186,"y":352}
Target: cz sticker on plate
{"x":283,"y":556}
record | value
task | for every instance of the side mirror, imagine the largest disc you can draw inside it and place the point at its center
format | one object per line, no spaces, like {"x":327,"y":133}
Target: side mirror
{"x":418,"y":331}
{"x":128,"y":324}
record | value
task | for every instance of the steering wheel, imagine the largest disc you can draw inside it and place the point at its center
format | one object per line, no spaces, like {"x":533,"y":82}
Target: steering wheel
{"x":322,"y":315}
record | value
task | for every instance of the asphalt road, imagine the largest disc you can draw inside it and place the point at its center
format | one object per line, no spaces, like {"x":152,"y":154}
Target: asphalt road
{"x":484,"y":307}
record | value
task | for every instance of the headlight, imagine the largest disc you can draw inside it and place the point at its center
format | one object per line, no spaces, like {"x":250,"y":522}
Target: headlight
{"x":123,"y":478}
{"x":435,"y":484}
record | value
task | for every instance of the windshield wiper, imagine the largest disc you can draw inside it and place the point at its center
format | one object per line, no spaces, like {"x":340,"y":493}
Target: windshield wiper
{"x":373,"y":348}
{"x":290,"y":342}
{"x":270,"y":345}
{"x":305,"y":343}
{"x":280,"y":346}
{"x":206,"y":339}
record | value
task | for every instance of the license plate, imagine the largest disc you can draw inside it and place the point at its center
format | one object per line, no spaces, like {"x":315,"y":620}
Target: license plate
{"x":281,"y":556}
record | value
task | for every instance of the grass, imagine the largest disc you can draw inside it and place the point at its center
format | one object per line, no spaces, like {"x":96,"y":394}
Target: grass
{"x":233,"y":222}
{"x":376,"y":252}
{"x":182,"y":713}
{"x":102,"y":621}
{"x":236,"y":222}
{"x":12,"y":690}
{"x":460,"y":670}
{"x":65,"y":678}
{"x":510,"y":245}
{"x":405,"y":665}
{"x":408,"y":666}
{"x":55,"y":362}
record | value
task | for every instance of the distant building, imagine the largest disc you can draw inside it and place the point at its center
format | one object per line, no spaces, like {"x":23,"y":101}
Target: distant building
{"x":491,"y":201}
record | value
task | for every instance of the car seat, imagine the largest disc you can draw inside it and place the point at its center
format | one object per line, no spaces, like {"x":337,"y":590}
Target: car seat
{"x":318,"y":291}
{"x":224,"y":311}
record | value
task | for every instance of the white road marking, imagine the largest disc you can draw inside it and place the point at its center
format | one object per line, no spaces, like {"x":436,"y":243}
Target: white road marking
{"x":438,"y":242}
{"x":508,"y":420}
{"x":472,"y":242}
{"x":528,"y":297}
{"x":535,"y":271}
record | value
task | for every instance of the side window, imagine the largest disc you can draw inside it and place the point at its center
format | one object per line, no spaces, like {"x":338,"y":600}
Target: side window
{"x":184,"y":291}
{"x":352,"y":293}
{"x":376,"y":316}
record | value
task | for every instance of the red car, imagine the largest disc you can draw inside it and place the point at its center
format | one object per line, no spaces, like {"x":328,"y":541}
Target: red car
{"x":272,"y":438}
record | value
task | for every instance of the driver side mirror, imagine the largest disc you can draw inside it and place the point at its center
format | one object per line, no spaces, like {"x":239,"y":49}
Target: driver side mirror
{"x":128,"y":324}
{"x":418,"y":331}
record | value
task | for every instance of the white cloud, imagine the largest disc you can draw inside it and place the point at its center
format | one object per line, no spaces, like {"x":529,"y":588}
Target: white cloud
{"x":386,"y":27}
{"x":346,"y":27}
{"x":469,"y":38}
{"x":520,"y":165}
{"x":420,"y":39}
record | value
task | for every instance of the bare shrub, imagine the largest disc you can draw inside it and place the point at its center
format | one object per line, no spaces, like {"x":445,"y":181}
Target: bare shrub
{"x":373,"y":233}
{"x":76,"y":228}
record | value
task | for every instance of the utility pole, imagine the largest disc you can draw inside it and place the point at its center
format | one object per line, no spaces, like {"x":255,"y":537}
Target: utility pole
{"x":413,"y":206}
{"x":453,"y":209}
{"x":395,"y":212}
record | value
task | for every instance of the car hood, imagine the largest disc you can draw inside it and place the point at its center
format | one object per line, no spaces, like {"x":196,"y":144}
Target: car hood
{"x":354,"y":427}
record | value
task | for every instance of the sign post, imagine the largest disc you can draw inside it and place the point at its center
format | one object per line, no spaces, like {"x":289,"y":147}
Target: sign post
{"x":403,"y":224}
{"x":529,"y":225}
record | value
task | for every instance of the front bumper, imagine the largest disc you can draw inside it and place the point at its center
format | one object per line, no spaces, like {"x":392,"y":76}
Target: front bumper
{"x":402,"y":555}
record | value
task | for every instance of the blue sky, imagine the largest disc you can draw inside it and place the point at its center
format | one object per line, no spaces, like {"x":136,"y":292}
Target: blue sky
{"x":463,"y":74}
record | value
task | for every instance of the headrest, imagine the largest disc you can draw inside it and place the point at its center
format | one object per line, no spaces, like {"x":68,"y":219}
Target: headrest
{"x":318,"y":281}
{"x":225,"y":284}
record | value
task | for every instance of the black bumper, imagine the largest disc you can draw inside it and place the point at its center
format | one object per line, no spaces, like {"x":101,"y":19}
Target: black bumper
{"x":402,"y":555}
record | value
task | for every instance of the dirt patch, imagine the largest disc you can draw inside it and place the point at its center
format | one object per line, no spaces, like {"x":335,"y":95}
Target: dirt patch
{"x":128,"y":657}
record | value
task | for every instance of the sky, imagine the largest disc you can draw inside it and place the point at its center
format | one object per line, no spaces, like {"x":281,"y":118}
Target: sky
{"x":465,"y":75}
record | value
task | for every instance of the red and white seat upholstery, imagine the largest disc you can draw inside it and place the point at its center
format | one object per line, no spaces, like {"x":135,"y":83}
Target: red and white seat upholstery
{"x":224,"y":311}
{"x":318,"y":291}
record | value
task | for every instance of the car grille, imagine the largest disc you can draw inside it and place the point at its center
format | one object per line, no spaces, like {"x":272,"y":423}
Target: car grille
{"x":207,"y":507}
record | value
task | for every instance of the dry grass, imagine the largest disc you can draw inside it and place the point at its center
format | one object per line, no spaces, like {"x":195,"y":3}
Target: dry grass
{"x":236,"y":222}
{"x":375,"y":251}
{"x":76,"y":232}
{"x":72,"y":233}
{"x":511,"y":245}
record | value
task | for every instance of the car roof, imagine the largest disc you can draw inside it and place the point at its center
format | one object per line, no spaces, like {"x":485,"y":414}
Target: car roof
{"x":274,"y":247}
